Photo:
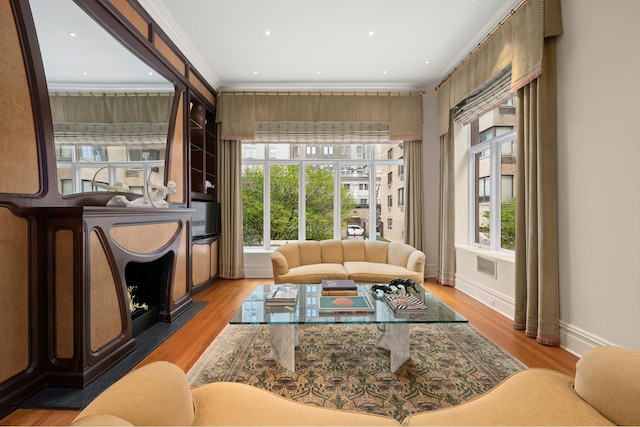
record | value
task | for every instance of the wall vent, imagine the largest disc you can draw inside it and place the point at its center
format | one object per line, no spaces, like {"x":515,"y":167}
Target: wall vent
{"x":487,"y":266}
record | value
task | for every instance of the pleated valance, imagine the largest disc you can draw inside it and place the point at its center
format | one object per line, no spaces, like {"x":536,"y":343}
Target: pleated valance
{"x":517,"y":42}
{"x":239,"y":113}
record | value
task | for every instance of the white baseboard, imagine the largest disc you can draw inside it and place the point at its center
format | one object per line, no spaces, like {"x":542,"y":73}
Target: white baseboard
{"x":572,"y":338}
{"x":501,"y":303}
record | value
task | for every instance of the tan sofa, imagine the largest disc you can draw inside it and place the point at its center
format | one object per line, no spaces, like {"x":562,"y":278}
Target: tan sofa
{"x":606,"y":391}
{"x":364,"y":261}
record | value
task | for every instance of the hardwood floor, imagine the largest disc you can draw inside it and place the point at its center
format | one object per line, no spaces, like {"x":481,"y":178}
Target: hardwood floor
{"x":185,"y":346}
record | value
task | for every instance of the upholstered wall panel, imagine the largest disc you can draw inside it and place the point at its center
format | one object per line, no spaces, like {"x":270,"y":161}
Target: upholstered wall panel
{"x":19,"y":171}
{"x":125,"y":8}
{"x":63,"y":294}
{"x":145,"y":238}
{"x":105,"y":326}
{"x":200,"y":263}
{"x":198,"y":84}
{"x":14,"y":294}
{"x":169,"y":54}
{"x":180,"y":279}
{"x":214,"y":258}
{"x":177,"y":156}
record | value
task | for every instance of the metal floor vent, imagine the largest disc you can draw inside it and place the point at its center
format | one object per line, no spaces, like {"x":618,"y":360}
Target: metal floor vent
{"x":487,"y":266}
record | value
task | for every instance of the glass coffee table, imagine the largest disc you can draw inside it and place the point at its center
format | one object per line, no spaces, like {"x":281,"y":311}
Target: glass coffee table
{"x":393,"y":329}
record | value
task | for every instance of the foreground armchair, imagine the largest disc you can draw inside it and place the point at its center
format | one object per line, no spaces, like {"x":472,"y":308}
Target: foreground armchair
{"x":605,"y":391}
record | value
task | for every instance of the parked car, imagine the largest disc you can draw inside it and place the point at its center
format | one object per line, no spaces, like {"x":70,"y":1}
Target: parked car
{"x":354,"y":230}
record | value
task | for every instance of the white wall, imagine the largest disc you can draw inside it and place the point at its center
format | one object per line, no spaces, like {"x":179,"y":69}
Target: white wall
{"x":598,"y":172}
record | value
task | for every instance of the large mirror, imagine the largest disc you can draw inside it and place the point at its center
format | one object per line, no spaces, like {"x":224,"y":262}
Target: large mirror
{"x":110,"y":110}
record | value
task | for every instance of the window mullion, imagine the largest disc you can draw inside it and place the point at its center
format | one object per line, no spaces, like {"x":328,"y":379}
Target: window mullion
{"x":495,"y":197}
{"x":302,"y":194}
{"x":266,"y":196}
{"x":337,"y":200}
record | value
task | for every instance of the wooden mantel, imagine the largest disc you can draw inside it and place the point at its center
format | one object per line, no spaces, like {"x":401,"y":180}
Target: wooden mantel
{"x":90,"y":326}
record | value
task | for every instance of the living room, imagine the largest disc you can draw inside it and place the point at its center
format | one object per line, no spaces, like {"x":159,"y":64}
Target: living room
{"x":599,"y":294}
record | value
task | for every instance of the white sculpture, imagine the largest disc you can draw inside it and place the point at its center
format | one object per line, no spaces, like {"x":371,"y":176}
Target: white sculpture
{"x":154,"y":199}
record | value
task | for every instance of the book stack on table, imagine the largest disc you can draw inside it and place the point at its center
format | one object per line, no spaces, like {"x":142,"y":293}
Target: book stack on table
{"x":339,"y":288}
{"x":282,"y":295}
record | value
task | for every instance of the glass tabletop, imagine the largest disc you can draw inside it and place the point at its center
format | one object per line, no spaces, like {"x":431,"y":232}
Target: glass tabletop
{"x":307,"y":309}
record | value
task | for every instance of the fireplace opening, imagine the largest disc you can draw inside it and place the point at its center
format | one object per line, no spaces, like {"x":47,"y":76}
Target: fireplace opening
{"x":147,"y":285}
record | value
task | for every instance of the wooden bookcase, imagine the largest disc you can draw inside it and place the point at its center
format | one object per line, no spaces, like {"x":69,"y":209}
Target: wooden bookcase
{"x":204,"y":150}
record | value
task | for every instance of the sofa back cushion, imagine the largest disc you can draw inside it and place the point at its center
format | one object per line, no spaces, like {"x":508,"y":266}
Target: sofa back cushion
{"x":331,"y":251}
{"x":398,"y":253}
{"x":352,"y":250}
{"x":310,"y":252}
{"x":607,"y":379}
{"x":375,"y":251}
{"x":291,"y":253}
{"x":155,"y":394}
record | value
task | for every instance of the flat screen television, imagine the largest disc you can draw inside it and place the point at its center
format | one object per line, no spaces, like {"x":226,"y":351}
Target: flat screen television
{"x":205,"y":221}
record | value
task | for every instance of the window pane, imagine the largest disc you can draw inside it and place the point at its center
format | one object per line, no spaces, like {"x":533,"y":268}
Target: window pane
{"x":507,"y":196}
{"x":482,"y":198}
{"x":392,"y":212}
{"x":319,"y":201}
{"x":252,"y":151}
{"x":252,"y":205}
{"x":284,"y":203}
{"x":354,"y":182}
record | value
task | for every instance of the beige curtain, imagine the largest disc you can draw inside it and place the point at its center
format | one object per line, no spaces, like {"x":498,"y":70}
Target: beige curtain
{"x":536,"y":295}
{"x":446,"y":235}
{"x":230,"y":183}
{"x":414,"y":197}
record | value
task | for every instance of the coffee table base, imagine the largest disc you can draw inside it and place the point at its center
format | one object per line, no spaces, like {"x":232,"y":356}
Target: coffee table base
{"x":392,"y":337}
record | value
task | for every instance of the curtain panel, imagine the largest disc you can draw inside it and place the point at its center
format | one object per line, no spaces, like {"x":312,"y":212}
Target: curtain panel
{"x":517,"y":41}
{"x":230,"y":246}
{"x":414,"y":213}
{"x":238,"y":112}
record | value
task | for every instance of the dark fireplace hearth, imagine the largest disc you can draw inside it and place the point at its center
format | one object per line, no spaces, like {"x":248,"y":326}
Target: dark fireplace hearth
{"x":147,"y":284}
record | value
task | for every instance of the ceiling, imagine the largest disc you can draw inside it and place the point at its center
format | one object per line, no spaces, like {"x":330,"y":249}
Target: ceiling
{"x":328,"y":44}
{"x":372,"y":45}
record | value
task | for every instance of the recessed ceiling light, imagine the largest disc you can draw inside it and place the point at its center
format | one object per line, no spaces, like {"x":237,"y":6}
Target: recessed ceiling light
{"x":84,"y":73}
{"x":72,"y":34}
{"x":255,"y":72}
{"x":384,"y":72}
{"x":427,"y":62}
{"x":150,"y":73}
{"x":371,"y":33}
{"x":267,"y":32}
{"x":319,"y":72}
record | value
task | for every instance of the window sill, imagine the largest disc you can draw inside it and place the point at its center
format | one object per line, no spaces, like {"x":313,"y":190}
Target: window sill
{"x":501,"y":255}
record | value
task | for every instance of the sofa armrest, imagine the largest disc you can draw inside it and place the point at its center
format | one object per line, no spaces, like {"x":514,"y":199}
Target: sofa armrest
{"x":279,"y":264}
{"x":416,"y":261}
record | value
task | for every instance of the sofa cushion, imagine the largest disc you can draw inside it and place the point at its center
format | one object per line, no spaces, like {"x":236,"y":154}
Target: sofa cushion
{"x":373,"y":272}
{"x":331,"y":251}
{"x":155,"y":394}
{"x":537,"y":397}
{"x":314,"y":273}
{"x":235,"y":404}
{"x":352,"y":250}
{"x":376,"y":252}
{"x":310,"y":252}
{"x":607,"y":378}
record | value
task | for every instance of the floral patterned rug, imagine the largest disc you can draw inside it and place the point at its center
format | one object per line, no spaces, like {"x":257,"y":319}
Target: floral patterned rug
{"x":339,"y":366}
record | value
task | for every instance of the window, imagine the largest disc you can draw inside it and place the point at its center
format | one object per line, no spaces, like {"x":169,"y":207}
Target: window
{"x":492,"y":163}
{"x":400,"y":196}
{"x":389,"y":224}
{"x":389,"y":201}
{"x":401,"y":172}
{"x":312,"y":198}
{"x":390,"y":178}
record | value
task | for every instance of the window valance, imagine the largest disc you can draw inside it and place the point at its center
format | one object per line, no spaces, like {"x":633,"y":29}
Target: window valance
{"x":243,"y":114}
{"x":517,"y":42}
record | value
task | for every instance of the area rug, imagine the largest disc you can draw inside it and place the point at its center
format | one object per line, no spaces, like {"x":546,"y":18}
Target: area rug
{"x":339,"y":366}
